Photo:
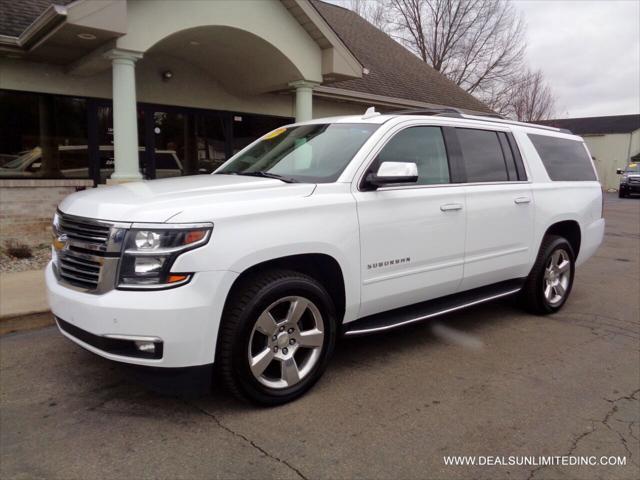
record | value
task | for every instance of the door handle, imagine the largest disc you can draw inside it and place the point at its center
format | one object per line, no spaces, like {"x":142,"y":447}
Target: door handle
{"x":450,"y":206}
{"x":522,"y":200}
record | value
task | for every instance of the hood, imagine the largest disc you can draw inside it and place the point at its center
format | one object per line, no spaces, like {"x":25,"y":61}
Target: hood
{"x":160,"y":200}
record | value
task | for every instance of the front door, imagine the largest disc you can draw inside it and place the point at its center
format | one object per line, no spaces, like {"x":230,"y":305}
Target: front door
{"x":412,"y":237}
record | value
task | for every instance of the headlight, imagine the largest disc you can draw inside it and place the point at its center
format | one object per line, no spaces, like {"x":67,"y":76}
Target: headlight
{"x":151,"y":250}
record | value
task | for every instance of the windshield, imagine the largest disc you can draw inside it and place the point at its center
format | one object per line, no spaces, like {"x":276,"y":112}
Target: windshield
{"x":632,"y":168}
{"x":315,"y":153}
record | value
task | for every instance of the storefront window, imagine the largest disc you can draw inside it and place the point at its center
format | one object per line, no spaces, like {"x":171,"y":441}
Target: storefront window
{"x":43,"y":136}
{"x":54,"y":136}
{"x":173,"y":134}
{"x":212,"y":138}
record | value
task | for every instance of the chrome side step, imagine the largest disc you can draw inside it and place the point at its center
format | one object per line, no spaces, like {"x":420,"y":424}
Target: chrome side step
{"x":418,"y":312}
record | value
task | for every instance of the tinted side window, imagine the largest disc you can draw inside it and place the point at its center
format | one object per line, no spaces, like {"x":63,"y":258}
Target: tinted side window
{"x":482,"y":154}
{"x":423,"y":146}
{"x":564,"y":159}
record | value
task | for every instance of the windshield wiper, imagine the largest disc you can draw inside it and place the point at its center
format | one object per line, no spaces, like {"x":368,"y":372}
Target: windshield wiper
{"x":268,"y":175}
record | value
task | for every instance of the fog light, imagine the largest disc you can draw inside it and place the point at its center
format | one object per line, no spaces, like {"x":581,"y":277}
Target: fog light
{"x":147,"y":347}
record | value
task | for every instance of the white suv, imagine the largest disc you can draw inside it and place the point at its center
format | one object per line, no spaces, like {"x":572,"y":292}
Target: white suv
{"x":339,"y":226}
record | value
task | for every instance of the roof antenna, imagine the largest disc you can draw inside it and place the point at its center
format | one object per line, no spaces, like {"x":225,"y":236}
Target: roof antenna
{"x":370,"y":113}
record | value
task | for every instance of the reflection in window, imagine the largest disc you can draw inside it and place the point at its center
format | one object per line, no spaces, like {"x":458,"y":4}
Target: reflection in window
{"x":46,"y":136}
{"x":246,"y":128}
{"x":482,"y":154}
{"x":39,"y":132}
{"x":423,"y":146}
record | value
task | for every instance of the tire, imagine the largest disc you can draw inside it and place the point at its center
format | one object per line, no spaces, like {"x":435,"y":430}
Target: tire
{"x":283,"y":322}
{"x":621,"y":194}
{"x":547,"y":289}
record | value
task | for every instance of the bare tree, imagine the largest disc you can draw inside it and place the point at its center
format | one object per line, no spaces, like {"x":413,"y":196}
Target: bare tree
{"x":374,"y":11}
{"x":531,"y":99}
{"x":479,"y":44}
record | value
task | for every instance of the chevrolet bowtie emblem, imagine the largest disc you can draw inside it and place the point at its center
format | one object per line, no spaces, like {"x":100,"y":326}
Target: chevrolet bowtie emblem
{"x":59,"y":243}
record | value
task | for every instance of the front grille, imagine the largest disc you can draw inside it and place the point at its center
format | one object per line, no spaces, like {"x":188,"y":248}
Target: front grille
{"x":83,"y":230}
{"x":87,"y":252}
{"x":78,"y":269}
{"x":634,"y":180}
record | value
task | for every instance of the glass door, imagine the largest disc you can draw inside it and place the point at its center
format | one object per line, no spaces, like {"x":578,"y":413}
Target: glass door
{"x":188,"y":142}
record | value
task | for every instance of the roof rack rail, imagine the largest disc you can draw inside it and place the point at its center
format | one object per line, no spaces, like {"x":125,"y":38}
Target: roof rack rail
{"x":515,"y":122}
{"x":442,"y":112}
{"x":492,"y":118}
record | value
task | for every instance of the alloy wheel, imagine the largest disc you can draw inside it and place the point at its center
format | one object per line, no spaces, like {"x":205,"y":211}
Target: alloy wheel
{"x":557,"y":275}
{"x":286,"y":342}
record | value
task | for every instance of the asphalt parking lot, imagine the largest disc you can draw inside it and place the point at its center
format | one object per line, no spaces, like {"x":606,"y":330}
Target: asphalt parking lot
{"x":488,"y":381}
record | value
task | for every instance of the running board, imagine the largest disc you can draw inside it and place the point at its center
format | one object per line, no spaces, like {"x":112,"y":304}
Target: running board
{"x":418,"y":312}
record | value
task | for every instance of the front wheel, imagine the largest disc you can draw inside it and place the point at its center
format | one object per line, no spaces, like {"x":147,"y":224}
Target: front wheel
{"x":549,"y":284}
{"x":277,"y":335}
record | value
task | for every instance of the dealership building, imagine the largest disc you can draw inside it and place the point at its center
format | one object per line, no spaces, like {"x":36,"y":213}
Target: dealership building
{"x":101,"y":91}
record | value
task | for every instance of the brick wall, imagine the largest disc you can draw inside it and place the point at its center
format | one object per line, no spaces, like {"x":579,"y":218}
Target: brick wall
{"x":27,"y":207}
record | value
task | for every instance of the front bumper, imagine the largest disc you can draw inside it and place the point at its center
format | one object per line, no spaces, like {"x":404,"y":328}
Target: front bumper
{"x":184,"y":319}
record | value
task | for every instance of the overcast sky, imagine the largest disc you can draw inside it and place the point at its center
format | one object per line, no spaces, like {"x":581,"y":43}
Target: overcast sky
{"x":589,"y":52}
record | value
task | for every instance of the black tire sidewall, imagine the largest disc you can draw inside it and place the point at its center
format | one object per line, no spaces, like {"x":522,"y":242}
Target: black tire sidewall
{"x":555,"y":244}
{"x":291,"y":285}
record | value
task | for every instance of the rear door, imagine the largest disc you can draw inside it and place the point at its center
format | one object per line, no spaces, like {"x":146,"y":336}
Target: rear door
{"x":412,"y":236}
{"x":500,"y":208}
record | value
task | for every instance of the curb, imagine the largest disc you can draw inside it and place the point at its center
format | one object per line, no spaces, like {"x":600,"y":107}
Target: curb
{"x":24,"y":322}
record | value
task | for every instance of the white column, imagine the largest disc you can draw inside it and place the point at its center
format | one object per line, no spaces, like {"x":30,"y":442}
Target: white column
{"x":304,"y":99}
{"x":125,"y":121}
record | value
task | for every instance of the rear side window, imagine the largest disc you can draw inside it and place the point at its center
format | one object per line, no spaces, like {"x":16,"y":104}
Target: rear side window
{"x":482,"y":154}
{"x":564,"y":159}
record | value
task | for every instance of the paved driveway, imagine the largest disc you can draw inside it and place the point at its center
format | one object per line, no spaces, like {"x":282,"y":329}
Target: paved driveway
{"x":488,"y":381}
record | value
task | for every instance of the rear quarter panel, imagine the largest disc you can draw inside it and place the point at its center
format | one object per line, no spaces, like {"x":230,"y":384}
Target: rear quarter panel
{"x":557,"y":201}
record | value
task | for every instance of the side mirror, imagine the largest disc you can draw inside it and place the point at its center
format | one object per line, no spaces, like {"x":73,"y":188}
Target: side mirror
{"x":619,"y":171}
{"x":392,"y":173}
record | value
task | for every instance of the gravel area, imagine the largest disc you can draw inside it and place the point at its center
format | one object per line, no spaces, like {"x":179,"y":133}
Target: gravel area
{"x":40,"y":258}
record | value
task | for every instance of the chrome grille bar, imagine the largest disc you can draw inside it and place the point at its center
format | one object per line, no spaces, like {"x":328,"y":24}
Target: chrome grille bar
{"x":87,"y":252}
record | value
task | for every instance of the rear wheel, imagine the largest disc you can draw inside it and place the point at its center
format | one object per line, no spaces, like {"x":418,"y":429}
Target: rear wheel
{"x":551,"y":279}
{"x":277,"y":335}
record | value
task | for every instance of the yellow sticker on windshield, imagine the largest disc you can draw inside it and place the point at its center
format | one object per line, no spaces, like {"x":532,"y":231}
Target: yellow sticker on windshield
{"x":274,"y":134}
{"x":632,"y":165}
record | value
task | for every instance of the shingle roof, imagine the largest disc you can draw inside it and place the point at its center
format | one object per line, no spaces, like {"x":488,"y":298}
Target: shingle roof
{"x":595,"y":125}
{"x":17,"y":15}
{"x":393,"y":70}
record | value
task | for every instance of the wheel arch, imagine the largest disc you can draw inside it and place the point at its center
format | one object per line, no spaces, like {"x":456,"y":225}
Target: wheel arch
{"x":569,"y":229}
{"x":320,"y":266}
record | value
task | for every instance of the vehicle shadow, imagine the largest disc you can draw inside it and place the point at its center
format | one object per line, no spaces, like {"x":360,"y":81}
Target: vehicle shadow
{"x":118,"y":388}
